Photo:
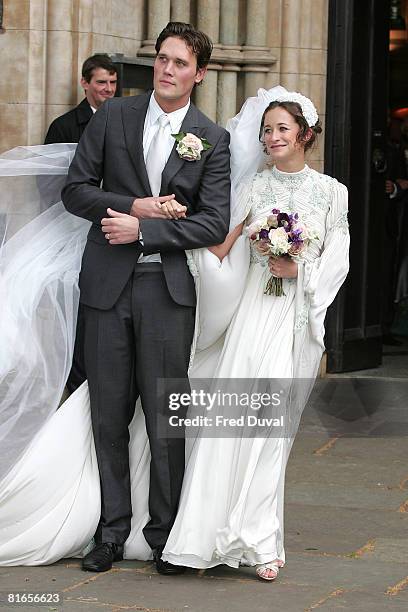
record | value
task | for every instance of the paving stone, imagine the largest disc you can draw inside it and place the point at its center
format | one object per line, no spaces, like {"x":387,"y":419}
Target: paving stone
{"x":376,"y":448}
{"x":364,"y":573}
{"x":338,"y":530}
{"x":359,"y":601}
{"x":391,"y":550}
{"x":353,"y":496}
{"x":341,"y":470}
{"x":46,"y":577}
{"x":306,"y":442}
{"x":219,"y":590}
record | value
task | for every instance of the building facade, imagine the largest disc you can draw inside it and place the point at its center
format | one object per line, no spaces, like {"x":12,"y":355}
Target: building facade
{"x":257,"y":43}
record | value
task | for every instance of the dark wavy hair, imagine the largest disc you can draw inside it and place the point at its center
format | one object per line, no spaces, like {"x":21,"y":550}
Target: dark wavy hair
{"x":99,"y":60}
{"x":294,"y":109}
{"x":199,"y":43}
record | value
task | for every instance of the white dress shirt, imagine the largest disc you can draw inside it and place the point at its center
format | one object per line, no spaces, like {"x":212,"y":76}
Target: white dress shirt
{"x":151,"y":126}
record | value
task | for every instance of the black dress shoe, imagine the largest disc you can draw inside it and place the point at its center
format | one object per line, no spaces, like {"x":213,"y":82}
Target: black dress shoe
{"x":100,"y":559}
{"x":164,"y":567}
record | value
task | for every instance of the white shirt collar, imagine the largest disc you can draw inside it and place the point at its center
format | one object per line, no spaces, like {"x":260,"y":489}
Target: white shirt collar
{"x":176,"y":117}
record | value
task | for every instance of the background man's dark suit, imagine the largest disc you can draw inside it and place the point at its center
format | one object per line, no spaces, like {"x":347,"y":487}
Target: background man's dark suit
{"x":70,"y":126}
{"x":112,"y":149}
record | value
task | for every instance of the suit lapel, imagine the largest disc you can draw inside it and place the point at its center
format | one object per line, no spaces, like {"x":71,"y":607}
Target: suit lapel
{"x":175,"y":162}
{"x":133,"y":118}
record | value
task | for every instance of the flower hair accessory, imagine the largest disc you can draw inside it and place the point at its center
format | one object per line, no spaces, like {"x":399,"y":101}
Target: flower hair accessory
{"x":189,"y":146}
{"x":308,"y":108}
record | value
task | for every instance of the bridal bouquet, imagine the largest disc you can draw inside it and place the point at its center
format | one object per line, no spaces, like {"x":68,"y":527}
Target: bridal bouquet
{"x":278,"y":235}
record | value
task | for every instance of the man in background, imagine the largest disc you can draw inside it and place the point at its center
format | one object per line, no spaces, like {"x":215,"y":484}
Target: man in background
{"x":99,"y":80}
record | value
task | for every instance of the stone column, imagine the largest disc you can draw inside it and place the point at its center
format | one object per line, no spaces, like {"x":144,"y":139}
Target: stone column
{"x":227,"y":77}
{"x":229,"y":23}
{"x":158,"y":15}
{"x":255,"y":45}
{"x":291,"y":18}
{"x":206,"y":94}
{"x":208,"y":13}
{"x":256,"y":23}
{"x":227,"y":93}
{"x":254,"y":79}
{"x":208,"y":18}
{"x":180,"y":10}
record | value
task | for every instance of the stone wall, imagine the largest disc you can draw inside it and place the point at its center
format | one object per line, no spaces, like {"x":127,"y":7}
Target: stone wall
{"x":258,"y":43}
{"x":43,"y":47}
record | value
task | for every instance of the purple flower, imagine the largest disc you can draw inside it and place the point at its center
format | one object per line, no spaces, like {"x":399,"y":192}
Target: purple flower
{"x":275,"y":211}
{"x":263,"y":234}
{"x":284,"y":221}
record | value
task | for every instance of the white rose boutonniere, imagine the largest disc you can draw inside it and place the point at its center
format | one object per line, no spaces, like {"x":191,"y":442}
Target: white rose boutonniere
{"x":189,"y":146}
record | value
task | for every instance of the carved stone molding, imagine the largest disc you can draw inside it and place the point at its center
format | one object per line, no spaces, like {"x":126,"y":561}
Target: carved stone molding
{"x":227,"y":57}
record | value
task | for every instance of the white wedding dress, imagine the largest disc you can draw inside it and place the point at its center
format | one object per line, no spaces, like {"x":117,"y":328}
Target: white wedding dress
{"x":231,"y":508}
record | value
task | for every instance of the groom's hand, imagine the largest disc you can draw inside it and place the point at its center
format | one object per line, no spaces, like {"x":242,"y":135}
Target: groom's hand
{"x":120,"y":228}
{"x":160,"y":207}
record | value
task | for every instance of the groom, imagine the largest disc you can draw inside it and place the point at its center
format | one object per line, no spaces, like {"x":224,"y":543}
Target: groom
{"x":137,"y":294}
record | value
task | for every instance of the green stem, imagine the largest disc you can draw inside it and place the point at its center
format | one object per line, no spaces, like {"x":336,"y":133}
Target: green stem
{"x":274,"y":286}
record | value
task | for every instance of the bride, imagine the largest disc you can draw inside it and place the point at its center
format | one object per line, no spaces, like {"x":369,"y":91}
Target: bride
{"x":231,"y":507}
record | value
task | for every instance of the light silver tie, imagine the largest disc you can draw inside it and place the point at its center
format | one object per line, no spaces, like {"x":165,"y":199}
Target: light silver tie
{"x":157,"y":154}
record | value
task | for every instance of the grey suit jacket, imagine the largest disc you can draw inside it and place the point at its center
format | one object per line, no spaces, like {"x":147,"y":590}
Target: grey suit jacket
{"x":111,"y":150}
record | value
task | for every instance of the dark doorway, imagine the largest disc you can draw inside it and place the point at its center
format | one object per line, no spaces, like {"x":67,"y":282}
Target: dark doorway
{"x":355,"y":153}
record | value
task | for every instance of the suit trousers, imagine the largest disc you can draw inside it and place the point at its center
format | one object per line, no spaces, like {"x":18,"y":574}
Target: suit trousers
{"x":145,"y":337}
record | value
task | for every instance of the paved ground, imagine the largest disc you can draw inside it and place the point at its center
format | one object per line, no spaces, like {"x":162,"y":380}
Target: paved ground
{"x":346,"y":523}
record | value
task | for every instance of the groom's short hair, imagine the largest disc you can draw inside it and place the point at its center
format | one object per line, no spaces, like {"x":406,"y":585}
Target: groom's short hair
{"x":199,"y":43}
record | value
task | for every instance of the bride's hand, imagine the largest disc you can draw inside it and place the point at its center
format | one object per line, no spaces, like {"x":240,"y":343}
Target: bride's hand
{"x":173,"y":209}
{"x":283,"y":267}
{"x":160,"y":207}
{"x":222,"y":250}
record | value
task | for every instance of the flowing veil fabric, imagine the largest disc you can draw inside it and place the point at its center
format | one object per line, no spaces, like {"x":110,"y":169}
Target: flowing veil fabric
{"x":40,"y":255}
